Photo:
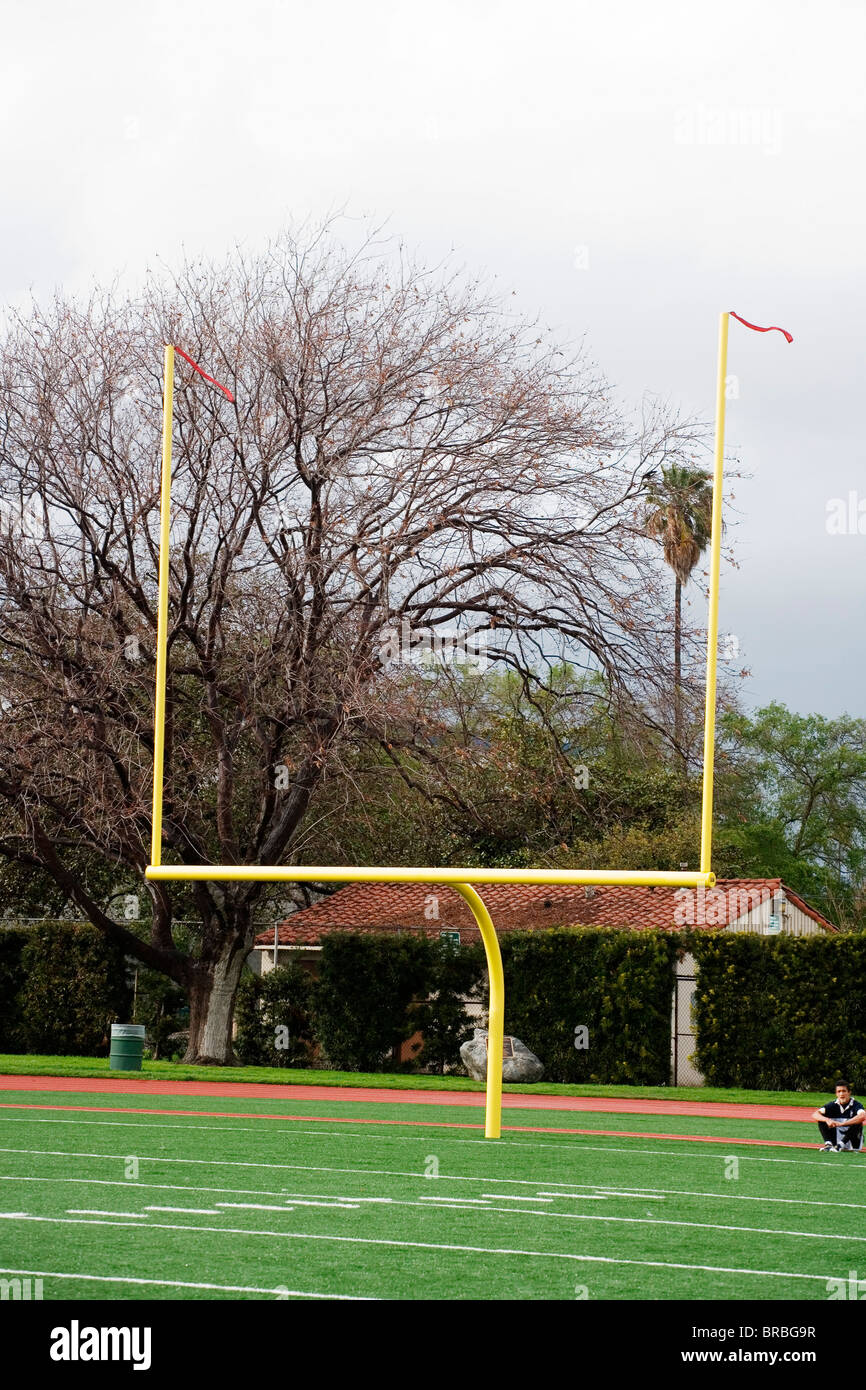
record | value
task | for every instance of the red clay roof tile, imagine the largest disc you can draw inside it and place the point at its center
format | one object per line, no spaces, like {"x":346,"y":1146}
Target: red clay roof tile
{"x":377,"y":907}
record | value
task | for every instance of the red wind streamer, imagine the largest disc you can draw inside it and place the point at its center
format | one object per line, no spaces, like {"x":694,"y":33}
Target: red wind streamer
{"x":772,"y":329}
{"x":212,"y":379}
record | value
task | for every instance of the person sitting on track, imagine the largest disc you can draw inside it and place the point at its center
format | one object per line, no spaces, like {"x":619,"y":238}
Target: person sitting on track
{"x":841,"y":1121}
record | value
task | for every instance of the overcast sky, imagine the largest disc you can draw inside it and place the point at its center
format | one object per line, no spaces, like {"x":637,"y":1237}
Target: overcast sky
{"x":630,"y":169}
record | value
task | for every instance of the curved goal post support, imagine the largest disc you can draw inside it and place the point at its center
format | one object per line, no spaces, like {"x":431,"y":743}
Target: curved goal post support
{"x":496,"y":1016}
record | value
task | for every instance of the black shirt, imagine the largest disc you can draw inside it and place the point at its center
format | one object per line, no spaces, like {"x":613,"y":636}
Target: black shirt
{"x":835,"y":1111}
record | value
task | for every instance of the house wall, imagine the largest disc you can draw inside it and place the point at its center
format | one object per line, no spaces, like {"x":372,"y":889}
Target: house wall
{"x":304,"y":955}
{"x":794,"y":921}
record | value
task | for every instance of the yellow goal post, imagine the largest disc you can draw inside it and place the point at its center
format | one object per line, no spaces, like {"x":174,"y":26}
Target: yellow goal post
{"x":463,"y":880}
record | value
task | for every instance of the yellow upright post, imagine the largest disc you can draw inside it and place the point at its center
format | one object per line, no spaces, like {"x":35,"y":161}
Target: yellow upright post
{"x":496,"y":1020}
{"x":713,"y":615}
{"x":162,"y":609}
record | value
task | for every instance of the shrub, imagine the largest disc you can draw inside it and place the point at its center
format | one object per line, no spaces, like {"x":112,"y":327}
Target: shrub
{"x":616,"y":984}
{"x":74,"y":988}
{"x":364,"y":993}
{"x":163,"y":1007}
{"x":780,"y":1013}
{"x":457,"y":971}
{"x":12,"y":942}
{"x":273,"y":1015}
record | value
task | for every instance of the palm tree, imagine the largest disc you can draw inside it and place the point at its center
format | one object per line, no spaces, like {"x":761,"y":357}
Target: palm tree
{"x":680,"y":514}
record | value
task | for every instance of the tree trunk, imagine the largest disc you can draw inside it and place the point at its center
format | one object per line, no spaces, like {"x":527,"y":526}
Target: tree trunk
{"x":212,"y":990}
{"x":678,"y":714}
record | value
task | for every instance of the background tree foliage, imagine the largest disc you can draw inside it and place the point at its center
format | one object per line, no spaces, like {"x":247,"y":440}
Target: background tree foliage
{"x":793,"y":802}
{"x":403,"y":456}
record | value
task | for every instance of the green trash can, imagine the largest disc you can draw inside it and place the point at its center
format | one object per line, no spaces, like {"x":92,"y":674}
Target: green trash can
{"x":127,"y":1047}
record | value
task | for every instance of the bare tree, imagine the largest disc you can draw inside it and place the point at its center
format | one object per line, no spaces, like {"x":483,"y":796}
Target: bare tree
{"x":400,"y":449}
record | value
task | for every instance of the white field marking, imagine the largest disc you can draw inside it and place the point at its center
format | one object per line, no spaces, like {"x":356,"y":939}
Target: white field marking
{"x":301,"y":1167}
{"x":134,"y":1186}
{"x":338,"y":1198}
{"x":336,"y":1203}
{"x":94,"y":1211}
{"x":447,"y":1204}
{"x":580,"y":1196}
{"x":296,"y":1202}
{"x":473,"y":1201}
{"x":743,"y":1197}
{"x":504,"y":1211}
{"x":248,"y":1206}
{"x":430,"y":1245}
{"x":679,"y":1152}
{"x":188,"y":1211}
{"x":452,"y":1204}
{"x":513,"y":1197}
{"x":184,"y":1187}
{"x":638,"y":1196}
{"x":573,"y":1141}
{"x":186,"y":1284}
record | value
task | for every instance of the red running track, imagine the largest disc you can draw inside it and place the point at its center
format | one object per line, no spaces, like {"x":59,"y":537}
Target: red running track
{"x":415,"y":1124}
{"x":244,"y":1090}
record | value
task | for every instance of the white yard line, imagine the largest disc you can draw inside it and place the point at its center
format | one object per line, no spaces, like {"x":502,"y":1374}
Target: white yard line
{"x":252,"y":1206}
{"x":743,"y":1197}
{"x":637,"y":1196}
{"x":443,"y":1248}
{"x":94,"y":1211}
{"x":136,"y":1185}
{"x":450,"y":1204}
{"x":580,"y":1196}
{"x":188,"y":1211}
{"x":334,"y":1205}
{"x":592,"y":1195}
{"x":467,"y":1201}
{"x":187,"y":1284}
{"x":502,"y":1211}
{"x":319,"y":1167}
{"x":513,"y":1197}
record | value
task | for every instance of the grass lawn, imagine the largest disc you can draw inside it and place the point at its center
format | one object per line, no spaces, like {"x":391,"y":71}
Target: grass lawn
{"x":339,"y":1199}
{"x":22,"y":1065}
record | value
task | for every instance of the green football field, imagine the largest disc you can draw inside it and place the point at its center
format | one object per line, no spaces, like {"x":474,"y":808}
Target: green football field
{"x":367,"y":1200}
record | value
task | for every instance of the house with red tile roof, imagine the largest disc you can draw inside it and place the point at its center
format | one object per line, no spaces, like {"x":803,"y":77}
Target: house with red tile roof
{"x":763,"y":905}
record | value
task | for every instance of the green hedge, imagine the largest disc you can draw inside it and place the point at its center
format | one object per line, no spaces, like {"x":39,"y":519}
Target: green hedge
{"x":780,"y":1013}
{"x":62,"y":985}
{"x":163,"y":1007}
{"x":376,"y":990}
{"x":364,"y":993}
{"x":616,"y":984}
{"x":12,"y":943}
{"x":772,"y":1013}
{"x":274,"y":1018}
{"x":458,"y":972}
